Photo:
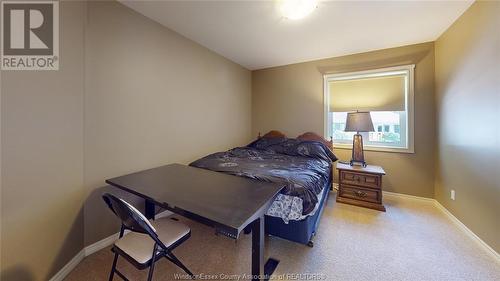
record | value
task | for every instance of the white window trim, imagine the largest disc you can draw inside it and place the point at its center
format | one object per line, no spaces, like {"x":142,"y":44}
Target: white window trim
{"x":410,"y":107}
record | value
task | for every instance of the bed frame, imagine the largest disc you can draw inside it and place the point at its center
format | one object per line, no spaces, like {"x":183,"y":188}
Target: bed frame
{"x":302,"y":231}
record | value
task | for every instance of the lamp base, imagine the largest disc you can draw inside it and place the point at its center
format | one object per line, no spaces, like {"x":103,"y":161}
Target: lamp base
{"x":358,"y":157}
{"x":357,"y":163}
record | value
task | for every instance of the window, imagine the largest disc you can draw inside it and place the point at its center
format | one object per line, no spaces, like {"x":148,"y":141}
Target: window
{"x":386,"y":93}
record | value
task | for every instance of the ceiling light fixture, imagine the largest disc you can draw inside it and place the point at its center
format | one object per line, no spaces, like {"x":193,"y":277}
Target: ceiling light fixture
{"x":296,"y":9}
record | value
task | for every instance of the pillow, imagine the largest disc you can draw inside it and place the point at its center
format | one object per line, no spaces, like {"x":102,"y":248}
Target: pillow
{"x":305,"y":148}
{"x":315,"y":149}
{"x":264,"y":142}
{"x":295,"y":147}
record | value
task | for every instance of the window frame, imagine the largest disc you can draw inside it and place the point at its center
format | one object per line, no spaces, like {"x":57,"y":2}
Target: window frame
{"x":409,"y":71}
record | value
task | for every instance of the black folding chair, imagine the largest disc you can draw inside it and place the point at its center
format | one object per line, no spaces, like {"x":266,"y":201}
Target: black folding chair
{"x":147,"y":242}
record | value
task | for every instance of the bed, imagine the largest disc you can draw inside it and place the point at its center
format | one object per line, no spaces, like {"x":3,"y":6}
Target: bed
{"x":302,"y":164}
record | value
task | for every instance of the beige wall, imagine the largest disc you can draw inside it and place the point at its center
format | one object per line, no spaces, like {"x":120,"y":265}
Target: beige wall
{"x":152,"y":98}
{"x":468,"y":106}
{"x":42,"y":159}
{"x":130,"y":94}
{"x":290,"y":99}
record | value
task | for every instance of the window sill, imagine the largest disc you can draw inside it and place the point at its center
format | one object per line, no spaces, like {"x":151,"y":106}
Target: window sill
{"x":375,"y":148}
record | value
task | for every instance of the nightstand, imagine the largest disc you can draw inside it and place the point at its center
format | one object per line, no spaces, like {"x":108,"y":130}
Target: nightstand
{"x":361,"y":186}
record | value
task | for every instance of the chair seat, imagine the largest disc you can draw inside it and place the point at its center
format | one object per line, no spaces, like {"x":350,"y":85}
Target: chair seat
{"x":140,"y":246}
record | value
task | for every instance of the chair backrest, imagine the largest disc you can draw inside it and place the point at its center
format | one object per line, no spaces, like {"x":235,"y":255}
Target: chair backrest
{"x":131,"y":218}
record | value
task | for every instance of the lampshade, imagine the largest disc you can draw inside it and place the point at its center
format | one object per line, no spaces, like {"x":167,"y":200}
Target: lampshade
{"x":359,"y":122}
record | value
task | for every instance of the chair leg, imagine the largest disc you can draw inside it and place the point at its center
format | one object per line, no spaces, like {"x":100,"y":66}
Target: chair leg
{"x":113,"y":267}
{"x":177,"y":262}
{"x":152,"y":266}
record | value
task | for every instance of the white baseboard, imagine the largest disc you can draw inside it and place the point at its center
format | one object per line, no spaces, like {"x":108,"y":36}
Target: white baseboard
{"x":467,"y":231}
{"x":454,"y":219}
{"x":90,"y":249}
{"x":406,"y":196}
{"x":101,"y":244}
{"x":108,"y":241}
{"x":85,"y":252}
{"x":61,"y":274}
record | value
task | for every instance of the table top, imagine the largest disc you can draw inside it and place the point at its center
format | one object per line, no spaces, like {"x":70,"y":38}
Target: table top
{"x":355,"y":168}
{"x":228,"y":200}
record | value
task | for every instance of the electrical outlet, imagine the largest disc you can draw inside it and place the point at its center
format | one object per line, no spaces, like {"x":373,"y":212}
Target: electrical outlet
{"x":452,"y":195}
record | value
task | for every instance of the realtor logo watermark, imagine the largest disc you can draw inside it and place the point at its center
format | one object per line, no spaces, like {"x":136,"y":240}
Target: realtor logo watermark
{"x":30,"y":35}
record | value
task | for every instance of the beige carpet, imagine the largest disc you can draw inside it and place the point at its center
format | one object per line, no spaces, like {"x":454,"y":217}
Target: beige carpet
{"x":413,"y":240}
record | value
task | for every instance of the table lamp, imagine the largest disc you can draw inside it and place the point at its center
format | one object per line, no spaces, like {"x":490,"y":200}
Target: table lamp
{"x":358,"y":122}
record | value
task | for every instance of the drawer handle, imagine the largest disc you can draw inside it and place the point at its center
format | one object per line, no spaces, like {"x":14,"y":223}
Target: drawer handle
{"x":357,"y":178}
{"x":360,"y":193}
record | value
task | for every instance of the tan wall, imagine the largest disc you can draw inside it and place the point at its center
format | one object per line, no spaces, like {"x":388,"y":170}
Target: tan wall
{"x":42,"y":159}
{"x":290,"y":99}
{"x":152,"y":98}
{"x":468,"y":106}
{"x":130,"y":94}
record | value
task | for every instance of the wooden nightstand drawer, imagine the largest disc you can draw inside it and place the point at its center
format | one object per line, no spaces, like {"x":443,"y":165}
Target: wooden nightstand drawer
{"x":360,"y":179}
{"x":363,"y":194}
{"x":361,"y":186}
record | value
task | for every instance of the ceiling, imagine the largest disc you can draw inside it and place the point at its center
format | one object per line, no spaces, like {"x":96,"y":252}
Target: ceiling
{"x":255,"y":35}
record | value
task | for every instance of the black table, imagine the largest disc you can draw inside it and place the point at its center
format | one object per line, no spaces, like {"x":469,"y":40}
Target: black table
{"x":228,"y":203}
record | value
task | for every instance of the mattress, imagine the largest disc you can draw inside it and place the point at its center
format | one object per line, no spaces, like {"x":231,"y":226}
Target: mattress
{"x":289,"y":207}
{"x":302,"y":166}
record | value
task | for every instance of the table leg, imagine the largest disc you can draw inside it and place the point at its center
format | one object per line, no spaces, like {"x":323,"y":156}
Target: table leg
{"x":258,"y":267}
{"x":149,"y":209}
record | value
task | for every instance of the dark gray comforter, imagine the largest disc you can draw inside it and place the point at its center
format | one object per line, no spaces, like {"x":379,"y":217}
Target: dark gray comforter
{"x":304,"y":166}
